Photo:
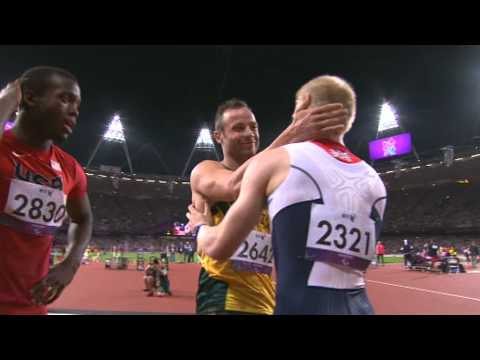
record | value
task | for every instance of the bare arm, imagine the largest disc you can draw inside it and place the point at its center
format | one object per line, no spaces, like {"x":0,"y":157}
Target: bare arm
{"x":80,"y":229}
{"x":211,"y":181}
{"x":215,"y":183}
{"x":262,"y":176}
{"x":51,"y":287}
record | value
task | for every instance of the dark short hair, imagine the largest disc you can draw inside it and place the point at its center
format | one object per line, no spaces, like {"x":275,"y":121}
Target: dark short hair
{"x":227,"y":105}
{"x":37,"y":79}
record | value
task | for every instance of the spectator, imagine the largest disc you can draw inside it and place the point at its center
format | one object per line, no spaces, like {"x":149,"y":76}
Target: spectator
{"x":406,"y":249}
{"x":151,"y":277}
{"x":474,"y":254}
{"x":380,"y":251}
{"x":432,"y":249}
{"x":189,"y":252}
{"x":466,"y":253}
{"x":173,"y":251}
{"x":181,"y":252}
{"x":164,"y":282}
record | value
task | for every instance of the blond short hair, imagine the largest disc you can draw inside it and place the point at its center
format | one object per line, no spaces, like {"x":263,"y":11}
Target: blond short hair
{"x":328,"y":89}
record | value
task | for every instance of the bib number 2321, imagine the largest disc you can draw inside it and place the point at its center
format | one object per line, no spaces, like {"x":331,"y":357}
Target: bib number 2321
{"x":339,"y":238}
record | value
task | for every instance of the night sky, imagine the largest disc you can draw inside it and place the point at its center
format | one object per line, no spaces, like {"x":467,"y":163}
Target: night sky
{"x":164,"y":93}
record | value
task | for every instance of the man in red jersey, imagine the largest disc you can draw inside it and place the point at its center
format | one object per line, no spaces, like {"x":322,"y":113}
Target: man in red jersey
{"x":380,"y":251}
{"x":40,"y":185}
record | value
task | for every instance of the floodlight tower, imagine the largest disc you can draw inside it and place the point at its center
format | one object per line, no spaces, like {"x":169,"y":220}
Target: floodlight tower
{"x":388,"y":124}
{"x":115,"y":134}
{"x":204,"y":143}
{"x":387,"y":119}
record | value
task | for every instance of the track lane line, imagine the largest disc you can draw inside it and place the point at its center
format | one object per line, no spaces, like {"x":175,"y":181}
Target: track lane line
{"x":425,"y":290}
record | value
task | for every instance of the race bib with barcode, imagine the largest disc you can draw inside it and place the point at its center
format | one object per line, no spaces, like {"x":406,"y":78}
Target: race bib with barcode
{"x":255,"y":254}
{"x":38,"y":209}
{"x":340,"y":238}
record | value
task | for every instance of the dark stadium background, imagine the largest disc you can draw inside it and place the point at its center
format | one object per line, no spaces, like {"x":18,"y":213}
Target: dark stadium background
{"x":164,"y":93}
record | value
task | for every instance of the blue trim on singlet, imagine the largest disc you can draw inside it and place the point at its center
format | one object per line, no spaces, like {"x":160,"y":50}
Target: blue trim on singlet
{"x":290,"y":228}
{"x":310,"y":177}
{"x":375,"y":216}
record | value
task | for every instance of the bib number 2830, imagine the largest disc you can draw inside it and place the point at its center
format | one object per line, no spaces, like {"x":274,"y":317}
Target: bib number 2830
{"x":36,"y":209}
{"x":35,"y":203}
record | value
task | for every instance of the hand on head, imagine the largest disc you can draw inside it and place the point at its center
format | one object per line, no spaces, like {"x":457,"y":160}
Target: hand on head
{"x":319,"y":122}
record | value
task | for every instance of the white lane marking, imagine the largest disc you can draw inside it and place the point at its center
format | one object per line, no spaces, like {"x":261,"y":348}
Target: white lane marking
{"x":425,"y":290}
{"x":60,"y":314}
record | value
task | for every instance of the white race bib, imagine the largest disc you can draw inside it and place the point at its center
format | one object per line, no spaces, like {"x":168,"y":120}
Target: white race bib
{"x":340,"y":238}
{"x":35,"y":204}
{"x":255,"y":254}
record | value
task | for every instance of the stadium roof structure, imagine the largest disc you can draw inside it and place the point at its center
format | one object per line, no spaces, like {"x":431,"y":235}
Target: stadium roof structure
{"x":431,"y":159}
{"x":463,"y":171}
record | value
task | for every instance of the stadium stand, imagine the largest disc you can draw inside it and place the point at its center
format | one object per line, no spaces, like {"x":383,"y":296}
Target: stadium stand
{"x":426,"y":200}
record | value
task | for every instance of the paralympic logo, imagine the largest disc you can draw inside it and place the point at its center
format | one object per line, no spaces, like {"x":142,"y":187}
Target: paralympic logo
{"x":389,"y":147}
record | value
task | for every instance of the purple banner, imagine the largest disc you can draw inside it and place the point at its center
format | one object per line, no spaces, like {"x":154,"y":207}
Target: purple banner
{"x":336,"y":258}
{"x":8,"y":125}
{"x":391,"y":146}
{"x":29,"y":228}
{"x":251,"y":267}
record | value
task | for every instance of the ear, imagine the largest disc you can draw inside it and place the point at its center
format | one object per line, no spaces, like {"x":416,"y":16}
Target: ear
{"x":218,"y":136}
{"x":303,"y":101}
{"x":28,"y":98}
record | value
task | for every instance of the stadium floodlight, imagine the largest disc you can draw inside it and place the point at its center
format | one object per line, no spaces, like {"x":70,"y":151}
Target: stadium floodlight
{"x":205,"y":143}
{"x":115,"y":131}
{"x":204,"y":140}
{"x":388,"y":118}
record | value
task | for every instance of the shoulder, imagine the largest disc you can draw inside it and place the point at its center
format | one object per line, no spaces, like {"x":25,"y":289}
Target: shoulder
{"x":268,"y":169}
{"x":205,"y":167}
{"x":271,"y":158}
{"x":377,"y":181}
{"x":66,"y":159}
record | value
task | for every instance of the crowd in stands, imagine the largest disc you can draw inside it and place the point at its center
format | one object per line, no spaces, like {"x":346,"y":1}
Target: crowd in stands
{"x":142,"y":213}
{"x":432,"y":201}
{"x":440,"y":209}
{"x":394,"y":244}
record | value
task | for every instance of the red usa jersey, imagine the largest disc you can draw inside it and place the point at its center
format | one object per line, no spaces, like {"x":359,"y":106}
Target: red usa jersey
{"x":34,"y":188}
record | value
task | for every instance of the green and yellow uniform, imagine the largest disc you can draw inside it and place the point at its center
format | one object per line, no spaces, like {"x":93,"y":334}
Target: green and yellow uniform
{"x":227,"y":286}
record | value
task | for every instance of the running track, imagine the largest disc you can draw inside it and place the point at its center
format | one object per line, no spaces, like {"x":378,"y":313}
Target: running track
{"x":392,"y":290}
